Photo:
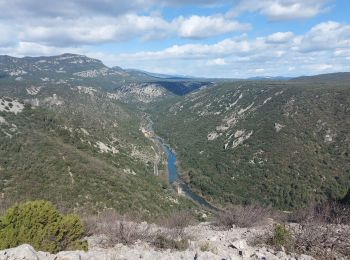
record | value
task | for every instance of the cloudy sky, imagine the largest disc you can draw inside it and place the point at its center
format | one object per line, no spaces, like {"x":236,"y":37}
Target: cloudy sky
{"x":211,"y":38}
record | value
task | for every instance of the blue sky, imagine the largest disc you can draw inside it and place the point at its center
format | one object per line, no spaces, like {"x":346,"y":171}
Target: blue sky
{"x":210,"y":38}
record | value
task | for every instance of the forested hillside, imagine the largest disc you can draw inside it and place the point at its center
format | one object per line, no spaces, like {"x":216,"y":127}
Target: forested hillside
{"x":282,"y":143}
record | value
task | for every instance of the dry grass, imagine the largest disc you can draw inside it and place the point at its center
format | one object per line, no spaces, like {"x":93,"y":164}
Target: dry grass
{"x":164,"y":242}
{"x":117,"y":228}
{"x":322,"y":241}
{"x":321,"y":231}
{"x":243,"y":216}
{"x":170,"y":234}
{"x":330,"y":213}
{"x":176,"y":223}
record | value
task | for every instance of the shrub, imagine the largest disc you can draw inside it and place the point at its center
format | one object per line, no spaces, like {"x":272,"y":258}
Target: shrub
{"x":328,"y":212}
{"x":176,"y":223}
{"x":114,"y":228}
{"x":281,"y":236}
{"x":177,"y":220}
{"x":163,"y":242}
{"x":38,"y":223}
{"x":242,"y":216}
{"x":117,"y":228}
{"x":205,"y":247}
{"x":322,"y":241}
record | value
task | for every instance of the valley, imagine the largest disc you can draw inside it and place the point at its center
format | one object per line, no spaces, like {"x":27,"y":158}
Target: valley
{"x":174,"y":177}
{"x":192,"y":130}
{"x":82,"y":130}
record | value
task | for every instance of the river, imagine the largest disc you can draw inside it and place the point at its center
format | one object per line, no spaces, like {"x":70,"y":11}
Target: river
{"x":173,"y":175}
{"x":175,"y":178}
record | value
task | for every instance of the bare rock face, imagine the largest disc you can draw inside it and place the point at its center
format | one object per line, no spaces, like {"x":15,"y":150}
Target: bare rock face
{"x":25,"y":252}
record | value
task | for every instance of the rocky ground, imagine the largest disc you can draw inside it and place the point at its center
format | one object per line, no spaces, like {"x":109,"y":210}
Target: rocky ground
{"x":206,"y":242}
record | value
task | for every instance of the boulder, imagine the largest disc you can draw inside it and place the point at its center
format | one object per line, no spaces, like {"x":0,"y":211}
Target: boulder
{"x":22,"y":252}
{"x":239,"y":244}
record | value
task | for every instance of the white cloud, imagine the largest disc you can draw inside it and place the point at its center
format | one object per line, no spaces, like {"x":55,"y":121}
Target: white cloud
{"x":279,"y":10}
{"x":207,"y":26}
{"x":217,"y":61}
{"x":259,"y":71}
{"x":88,"y":22}
{"x":29,"y":27}
{"x":95,"y":30}
{"x":325,"y":36}
{"x":233,"y":57}
{"x":323,"y":66}
{"x":8,"y":36}
{"x":36,"y":49}
{"x":69,"y":9}
{"x":67,"y":32}
{"x":244,"y":57}
{"x":280,"y":37}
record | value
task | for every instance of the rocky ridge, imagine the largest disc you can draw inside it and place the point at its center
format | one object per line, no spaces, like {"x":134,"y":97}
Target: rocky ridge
{"x":206,"y":242}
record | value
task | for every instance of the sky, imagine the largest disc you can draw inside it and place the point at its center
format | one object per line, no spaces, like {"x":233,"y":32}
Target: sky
{"x":203,"y":38}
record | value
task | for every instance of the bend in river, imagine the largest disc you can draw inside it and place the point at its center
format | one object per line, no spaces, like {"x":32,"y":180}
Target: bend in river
{"x":173,"y":176}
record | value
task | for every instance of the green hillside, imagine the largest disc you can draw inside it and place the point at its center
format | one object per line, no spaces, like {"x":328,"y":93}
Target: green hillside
{"x":281,"y":143}
{"x":74,"y":144}
{"x":70,"y":132}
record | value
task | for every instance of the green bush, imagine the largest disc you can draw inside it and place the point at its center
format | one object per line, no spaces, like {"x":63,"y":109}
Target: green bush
{"x":163,"y":242}
{"x":38,"y":223}
{"x":281,"y":236}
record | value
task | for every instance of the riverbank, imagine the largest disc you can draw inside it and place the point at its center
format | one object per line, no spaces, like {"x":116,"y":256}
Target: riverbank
{"x":174,"y":179}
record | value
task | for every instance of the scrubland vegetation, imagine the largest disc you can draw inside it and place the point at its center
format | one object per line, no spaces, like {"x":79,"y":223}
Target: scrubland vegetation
{"x":166,"y":232}
{"x":38,"y":223}
{"x":321,"y":231}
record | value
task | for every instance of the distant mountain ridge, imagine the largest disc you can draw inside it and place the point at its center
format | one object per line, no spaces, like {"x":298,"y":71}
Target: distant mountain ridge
{"x":162,"y":76}
{"x":334,"y":77}
{"x":270,"y":78}
{"x":74,"y":69}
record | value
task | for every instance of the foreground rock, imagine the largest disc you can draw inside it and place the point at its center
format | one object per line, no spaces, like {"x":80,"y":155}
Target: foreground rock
{"x":205,"y":243}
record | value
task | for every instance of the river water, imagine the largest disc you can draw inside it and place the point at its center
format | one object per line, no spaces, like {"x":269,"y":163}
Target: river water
{"x":174,"y":177}
{"x":172,"y":169}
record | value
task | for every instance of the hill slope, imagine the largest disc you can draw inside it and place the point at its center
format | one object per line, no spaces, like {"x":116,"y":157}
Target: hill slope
{"x":280,"y":143}
{"x":70,"y":140}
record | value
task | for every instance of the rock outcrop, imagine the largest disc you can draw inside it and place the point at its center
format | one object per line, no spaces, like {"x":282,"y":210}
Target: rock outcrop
{"x":205,"y":243}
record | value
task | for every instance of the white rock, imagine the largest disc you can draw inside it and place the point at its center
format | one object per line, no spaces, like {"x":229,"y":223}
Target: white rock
{"x":240,"y":244}
{"x":11,"y":105}
{"x":3,"y":121}
{"x":45,"y":256}
{"x":69,"y":255}
{"x":212,"y":136}
{"x":278,"y":127}
{"x":267,"y":100}
{"x":25,"y":252}
{"x":105,"y":148}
